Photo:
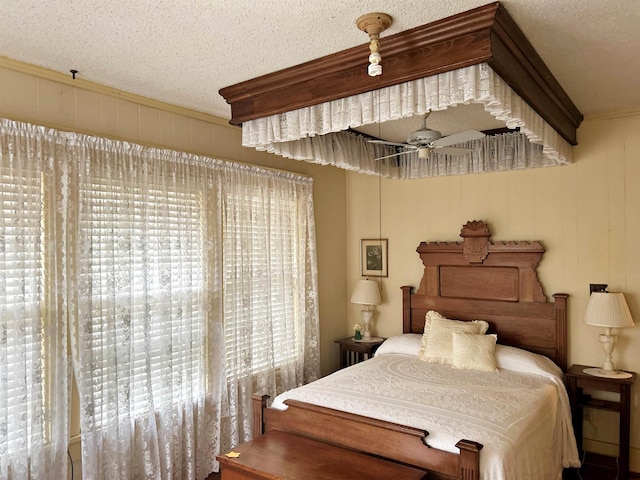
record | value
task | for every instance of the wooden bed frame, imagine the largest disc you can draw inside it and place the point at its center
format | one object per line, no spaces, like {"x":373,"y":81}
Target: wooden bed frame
{"x":472,"y":279}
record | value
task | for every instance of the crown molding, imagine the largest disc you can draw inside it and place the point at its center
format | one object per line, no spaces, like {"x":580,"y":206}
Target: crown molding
{"x":79,"y":82}
{"x":613,"y":115}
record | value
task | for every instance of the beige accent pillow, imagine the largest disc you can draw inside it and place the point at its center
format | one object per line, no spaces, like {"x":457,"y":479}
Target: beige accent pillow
{"x":437,"y":337}
{"x":474,"y":352}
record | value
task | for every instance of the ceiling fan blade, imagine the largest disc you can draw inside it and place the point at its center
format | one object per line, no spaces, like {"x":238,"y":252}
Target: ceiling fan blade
{"x":394,"y":155}
{"x":395,"y":144}
{"x":456,"y":138}
{"x":453,"y":150}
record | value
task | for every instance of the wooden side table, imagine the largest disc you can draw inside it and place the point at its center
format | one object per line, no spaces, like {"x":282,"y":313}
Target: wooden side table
{"x":578,"y":381}
{"x":352,"y":351}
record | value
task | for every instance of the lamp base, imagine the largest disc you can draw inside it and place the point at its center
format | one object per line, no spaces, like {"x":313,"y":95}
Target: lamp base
{"x":601,"y":372}
{"x":366,"y":318}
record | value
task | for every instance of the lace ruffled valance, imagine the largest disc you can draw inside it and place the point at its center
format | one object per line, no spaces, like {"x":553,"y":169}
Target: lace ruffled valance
{"x":317,"y":133}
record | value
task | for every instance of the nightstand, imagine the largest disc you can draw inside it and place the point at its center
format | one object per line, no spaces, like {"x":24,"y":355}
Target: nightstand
{"x":355,"y":351}
{"x":578,"y":381}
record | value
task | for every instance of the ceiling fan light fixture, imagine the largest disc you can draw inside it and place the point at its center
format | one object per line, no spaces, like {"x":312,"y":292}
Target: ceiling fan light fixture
{"x":424,"y":136}
{"x":373,"y":24}
{"x":374,"y":69}
{"x":424,"y":152}
{"x":426,"y":140}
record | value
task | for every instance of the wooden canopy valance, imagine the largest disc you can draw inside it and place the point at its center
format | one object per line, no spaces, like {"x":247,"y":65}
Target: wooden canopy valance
{"x":485,"y":34}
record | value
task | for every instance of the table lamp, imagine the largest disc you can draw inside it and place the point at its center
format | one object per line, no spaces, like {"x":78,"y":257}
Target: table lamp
{"x":366,"y":293}
{"x":609,"y":310}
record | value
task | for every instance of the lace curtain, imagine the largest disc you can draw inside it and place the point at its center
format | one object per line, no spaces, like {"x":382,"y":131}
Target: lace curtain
{"x":34,"y":366}
{"x":271,"y":321}
{"x":143,"y":337}
{"x":316,"y":133}
{"x":176,"y":264}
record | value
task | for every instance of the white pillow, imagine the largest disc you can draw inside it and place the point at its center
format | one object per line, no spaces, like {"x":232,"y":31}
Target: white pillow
{"x":437,"y":337}
{"x":512,"y":358}
{"x":406,"y":344}
{"x":427,"y":323}
{"x":471,"y":351}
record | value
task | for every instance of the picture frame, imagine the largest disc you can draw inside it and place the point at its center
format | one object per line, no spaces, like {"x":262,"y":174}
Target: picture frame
{"x":373,"y":257}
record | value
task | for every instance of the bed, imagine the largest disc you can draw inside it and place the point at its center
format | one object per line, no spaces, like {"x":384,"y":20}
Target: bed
{"x":438,"y":417}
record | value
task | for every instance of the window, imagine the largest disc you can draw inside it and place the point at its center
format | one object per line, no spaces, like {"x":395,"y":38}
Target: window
{"x":22,"y":358}
{"x":34,"y":422}
{"x":144,"y":262}
{"x":260,"y":271}
{"x":146,"y":271}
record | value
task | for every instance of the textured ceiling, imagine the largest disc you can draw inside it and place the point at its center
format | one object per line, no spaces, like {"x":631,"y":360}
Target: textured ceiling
{"x":182,"y":52}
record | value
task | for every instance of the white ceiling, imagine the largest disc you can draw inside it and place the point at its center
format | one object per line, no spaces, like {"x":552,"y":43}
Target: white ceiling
{"x":182,"y":52}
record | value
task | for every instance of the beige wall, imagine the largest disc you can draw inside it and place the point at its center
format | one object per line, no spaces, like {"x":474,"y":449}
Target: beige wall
{"x":587,"y":215}
{"x":39,"y":96}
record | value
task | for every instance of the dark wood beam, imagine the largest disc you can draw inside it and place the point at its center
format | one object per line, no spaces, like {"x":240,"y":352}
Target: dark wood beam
{"x":485,"y":34}
{"x":515,"y":60}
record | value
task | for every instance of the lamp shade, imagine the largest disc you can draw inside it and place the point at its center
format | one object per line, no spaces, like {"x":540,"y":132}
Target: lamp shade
{"x":608,"y":310}
{"x":366,"y":293}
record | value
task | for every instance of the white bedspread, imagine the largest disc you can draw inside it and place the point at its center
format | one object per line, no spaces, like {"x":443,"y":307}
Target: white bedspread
{"x":522,"y":419}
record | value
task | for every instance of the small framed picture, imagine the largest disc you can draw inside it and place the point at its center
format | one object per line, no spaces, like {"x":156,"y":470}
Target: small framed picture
{"x":373,"y":257}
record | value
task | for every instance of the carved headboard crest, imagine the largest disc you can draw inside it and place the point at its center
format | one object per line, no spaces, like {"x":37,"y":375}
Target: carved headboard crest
{"x":475,"y":244}
{"x":449,"y":267}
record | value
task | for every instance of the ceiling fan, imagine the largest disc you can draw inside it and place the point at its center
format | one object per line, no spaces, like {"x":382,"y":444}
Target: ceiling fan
{"x":425,"y":140}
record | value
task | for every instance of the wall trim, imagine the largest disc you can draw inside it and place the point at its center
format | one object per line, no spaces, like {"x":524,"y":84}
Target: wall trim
{"x":66,"y":79}
{"x":613,"y":115}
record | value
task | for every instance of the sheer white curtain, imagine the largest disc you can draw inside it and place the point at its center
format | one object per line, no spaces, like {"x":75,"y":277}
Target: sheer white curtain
{"x":351,"y":151}
{"x":187,"y":284}
{"x":147,"y":349}
{"x":166,"y":243}
{"x":34,"y":366}
{"x":316,"y":133}
{"x":270,"y":288}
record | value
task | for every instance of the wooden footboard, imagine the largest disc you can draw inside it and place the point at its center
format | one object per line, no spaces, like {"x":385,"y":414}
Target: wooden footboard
{"x":388,"y":440}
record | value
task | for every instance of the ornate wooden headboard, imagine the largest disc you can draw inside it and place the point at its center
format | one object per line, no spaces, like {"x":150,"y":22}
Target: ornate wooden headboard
{"x":496,"y":282}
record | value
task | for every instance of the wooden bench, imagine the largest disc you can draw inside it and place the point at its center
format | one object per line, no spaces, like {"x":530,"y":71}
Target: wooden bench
{"x":284,"y":456}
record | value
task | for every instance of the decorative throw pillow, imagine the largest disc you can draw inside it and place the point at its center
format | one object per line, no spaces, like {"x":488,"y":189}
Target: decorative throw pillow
{"x":437,"y":337}
{"x":427,"y":323}
{"x":472,"y":351}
